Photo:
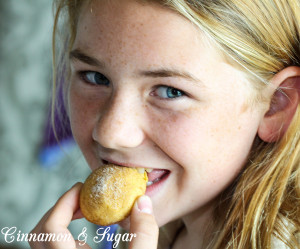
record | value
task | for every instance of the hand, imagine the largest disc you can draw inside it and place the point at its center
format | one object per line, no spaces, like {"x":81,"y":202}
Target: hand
{"x":66,"y":209}
{"x":143,"y":224}
{"x":57,"y":220}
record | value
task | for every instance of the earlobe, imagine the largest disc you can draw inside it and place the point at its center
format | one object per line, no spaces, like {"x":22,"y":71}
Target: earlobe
{"x":283,"y":106}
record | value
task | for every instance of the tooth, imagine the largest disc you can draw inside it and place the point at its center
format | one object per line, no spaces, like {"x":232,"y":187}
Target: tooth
{"x":149,"y":183}
{"x":141,"y":170}
{"x":149,"y":170}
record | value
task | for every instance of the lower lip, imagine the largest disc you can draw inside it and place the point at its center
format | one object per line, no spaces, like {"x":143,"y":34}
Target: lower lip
{"x":155,"y":187}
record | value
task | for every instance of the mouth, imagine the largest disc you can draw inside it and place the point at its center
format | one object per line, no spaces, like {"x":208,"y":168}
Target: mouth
{"x":155,"y":176}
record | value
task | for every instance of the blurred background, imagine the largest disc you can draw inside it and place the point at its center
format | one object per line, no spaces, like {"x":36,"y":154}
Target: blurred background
{"x":34,"y":170}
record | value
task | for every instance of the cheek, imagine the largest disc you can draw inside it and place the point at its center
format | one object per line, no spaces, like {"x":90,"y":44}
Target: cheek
{"x":208,"y":142}
{"x":75,"y":112}
{"x":83,"y":114}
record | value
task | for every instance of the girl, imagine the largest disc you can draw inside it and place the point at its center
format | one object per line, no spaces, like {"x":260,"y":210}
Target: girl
{"x":205,"y":93}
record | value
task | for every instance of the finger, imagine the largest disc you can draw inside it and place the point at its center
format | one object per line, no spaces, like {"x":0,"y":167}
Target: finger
{"x":37,"y":230}
{"x":143,"y":224}
{"x":81,"y":245}
{"x":57,"y":220}
{"x":65,"y":207}
{"x":77,"y":215}
{"x":42,"y":221}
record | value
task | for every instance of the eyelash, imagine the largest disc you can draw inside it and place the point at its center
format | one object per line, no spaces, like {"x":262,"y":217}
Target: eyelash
{"x":170,"y":90}
{"x":84,"y":76}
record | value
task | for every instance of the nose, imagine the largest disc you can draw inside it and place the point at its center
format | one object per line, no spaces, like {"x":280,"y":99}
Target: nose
{"x":119,"y":124}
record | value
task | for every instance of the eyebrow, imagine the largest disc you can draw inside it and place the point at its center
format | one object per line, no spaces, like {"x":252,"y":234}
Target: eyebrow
{"x":167,"y":73}
{"x":77,"y":54}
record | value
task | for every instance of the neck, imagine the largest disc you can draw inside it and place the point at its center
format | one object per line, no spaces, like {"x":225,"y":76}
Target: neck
{"x":198,"y":228}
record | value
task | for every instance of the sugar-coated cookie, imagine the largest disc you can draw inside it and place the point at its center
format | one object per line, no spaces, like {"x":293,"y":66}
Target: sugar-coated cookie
{"x":109,"y":192}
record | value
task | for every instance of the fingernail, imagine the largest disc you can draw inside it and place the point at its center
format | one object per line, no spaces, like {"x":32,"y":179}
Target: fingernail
{"x":75,"y":185}
{"x":144,"y":204}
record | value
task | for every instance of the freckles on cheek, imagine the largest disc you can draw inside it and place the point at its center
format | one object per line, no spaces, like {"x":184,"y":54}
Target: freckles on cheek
{"x":76,"y":117}
{"x":176,"y":135}
{"x":80,"y":115}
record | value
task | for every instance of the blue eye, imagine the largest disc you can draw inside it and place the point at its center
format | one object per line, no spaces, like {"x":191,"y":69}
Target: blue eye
{"x":94,"y":78}
{"x":167,"y":92}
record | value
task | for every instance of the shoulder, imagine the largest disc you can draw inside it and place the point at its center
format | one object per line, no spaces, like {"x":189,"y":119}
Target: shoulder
{"x":288,"y":230}
{"x":278,"y":244}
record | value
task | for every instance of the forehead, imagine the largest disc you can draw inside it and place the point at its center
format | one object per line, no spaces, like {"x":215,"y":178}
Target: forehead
{"x":119,"y":23}
{"x":128,"y":36}
{"x":124,"y":15}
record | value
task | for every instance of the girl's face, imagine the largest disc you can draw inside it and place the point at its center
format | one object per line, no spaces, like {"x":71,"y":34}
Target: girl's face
{"x":148,"y":90}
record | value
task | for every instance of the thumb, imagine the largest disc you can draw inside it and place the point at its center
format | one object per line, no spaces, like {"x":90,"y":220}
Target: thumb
{"x":143,"y":224}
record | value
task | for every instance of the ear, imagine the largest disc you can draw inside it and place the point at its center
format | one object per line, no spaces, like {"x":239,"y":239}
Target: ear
{"x":284,"y":103}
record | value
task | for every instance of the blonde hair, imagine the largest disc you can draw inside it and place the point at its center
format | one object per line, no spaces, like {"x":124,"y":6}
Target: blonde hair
{"x":262,"y":37}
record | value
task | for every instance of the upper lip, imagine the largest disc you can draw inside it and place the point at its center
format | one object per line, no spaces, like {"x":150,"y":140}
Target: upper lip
{"x":125,"y":164}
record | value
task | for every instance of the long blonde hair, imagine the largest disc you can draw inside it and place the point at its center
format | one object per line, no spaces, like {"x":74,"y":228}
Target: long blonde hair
{"x":262,"y":37}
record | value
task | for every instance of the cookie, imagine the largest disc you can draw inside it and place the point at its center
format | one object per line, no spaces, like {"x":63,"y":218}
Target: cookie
{"x":109,"y":193}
